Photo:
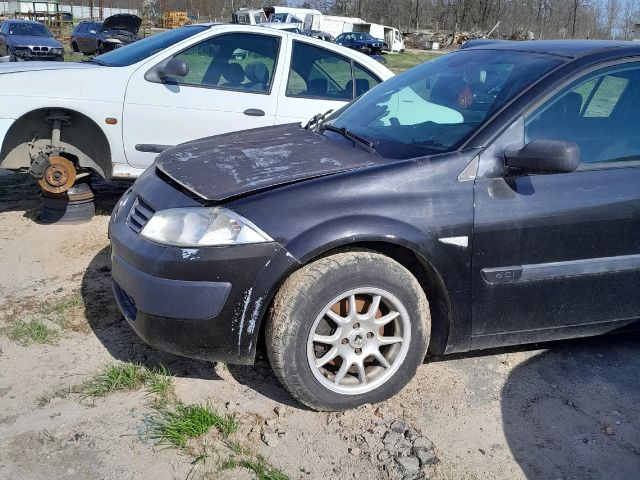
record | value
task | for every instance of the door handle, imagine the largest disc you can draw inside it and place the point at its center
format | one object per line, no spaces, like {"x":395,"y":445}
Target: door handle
{"x":254,"y":112}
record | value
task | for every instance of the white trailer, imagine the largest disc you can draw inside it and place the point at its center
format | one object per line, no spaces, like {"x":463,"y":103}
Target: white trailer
{"x":331,"y":24}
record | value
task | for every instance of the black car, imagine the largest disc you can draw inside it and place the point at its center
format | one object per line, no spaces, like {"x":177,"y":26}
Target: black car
{"x":361,"y":41}
{"x":486,"y":198}
{"x":22,"y":40}
{"x":90,"y":37}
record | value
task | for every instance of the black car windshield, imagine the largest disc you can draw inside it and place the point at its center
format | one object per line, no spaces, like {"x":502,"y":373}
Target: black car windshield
{"x":434,"y":107}
{"x":29,"y":29}
{"x":134,"y":52}
{"x":361,"y":36}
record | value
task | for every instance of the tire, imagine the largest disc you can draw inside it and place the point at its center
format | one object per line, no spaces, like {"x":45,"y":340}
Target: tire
{"x":307,"y":303}
{"x":74,"y":47}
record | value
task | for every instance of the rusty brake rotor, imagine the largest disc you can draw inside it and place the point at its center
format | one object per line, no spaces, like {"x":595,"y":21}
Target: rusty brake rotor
{"x":59,"y":176}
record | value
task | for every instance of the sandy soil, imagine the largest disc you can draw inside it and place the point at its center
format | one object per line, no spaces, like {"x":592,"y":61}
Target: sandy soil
{"x":565,"y":410}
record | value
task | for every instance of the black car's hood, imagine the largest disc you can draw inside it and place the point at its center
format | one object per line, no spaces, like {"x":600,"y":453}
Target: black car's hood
{"x":122,"y":21}
{"x":225,"y":166}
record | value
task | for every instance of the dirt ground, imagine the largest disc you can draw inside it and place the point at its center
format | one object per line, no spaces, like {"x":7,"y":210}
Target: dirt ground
{"x":566,"y":410}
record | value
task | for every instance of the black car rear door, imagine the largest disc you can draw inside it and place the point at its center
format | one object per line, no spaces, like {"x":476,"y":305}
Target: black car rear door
{"x":558,"y":255}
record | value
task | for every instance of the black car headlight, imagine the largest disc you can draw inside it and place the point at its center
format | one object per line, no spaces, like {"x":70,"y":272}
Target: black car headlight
{"x":57,"y":51}
{"x":202,"y":227}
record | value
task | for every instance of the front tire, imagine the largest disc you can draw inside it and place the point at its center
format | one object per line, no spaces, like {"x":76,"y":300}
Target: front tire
{"x":348,"y":329}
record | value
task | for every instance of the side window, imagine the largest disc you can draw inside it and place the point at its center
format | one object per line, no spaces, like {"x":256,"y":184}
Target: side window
{"x":365,"y":80}
{"x":597,"y":112}
{"x":319,"y":73}
{"x":235,"y":62}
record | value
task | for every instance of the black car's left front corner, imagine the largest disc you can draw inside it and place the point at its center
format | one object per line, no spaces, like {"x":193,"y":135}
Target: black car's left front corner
{"x":196,"y":301}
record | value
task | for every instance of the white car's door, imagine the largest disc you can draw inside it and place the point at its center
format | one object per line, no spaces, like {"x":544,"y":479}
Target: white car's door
{"x":319,"y":79}
{"x":232,"y":84}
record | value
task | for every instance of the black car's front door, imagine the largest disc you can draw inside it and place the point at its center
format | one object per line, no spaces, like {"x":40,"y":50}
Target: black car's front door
{"x":558,"y":255}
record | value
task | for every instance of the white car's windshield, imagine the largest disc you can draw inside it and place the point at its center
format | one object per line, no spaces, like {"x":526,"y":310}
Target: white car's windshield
{"x":434,"y":107}
{"x":136,"y":51}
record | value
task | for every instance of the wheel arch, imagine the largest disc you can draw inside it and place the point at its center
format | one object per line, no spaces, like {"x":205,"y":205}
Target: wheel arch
{"x":425,"y":272}
{"x":83,"y":140}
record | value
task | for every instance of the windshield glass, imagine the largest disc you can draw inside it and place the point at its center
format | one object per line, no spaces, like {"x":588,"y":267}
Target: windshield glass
{"x":362,"y":36}
{"x":434,"y":107}
{"x":29,"y":29}
{"x":134,"y":52}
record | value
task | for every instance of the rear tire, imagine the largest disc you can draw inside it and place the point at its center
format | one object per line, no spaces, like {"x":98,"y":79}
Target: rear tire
{"x":329,"y":307}
{"x":74,"y":47}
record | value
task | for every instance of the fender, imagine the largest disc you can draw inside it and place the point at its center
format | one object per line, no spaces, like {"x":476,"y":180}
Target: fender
{"x":343,"y":232}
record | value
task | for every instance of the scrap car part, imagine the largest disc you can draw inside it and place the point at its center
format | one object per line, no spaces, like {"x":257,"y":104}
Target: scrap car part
{"x":59,"y":176}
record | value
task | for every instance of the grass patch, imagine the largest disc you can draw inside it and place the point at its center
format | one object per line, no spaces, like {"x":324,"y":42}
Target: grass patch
{"x":178,"y":424}
{"x":32,"y":327}
{"x":28,"y":332}
{"x":119,"y":377}
{"x":402,"y":61}
{"x":263,"y":470}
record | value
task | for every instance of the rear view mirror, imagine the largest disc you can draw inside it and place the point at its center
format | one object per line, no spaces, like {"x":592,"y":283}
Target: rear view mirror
{"x":174,"y":68}
{"x":544,"y":156}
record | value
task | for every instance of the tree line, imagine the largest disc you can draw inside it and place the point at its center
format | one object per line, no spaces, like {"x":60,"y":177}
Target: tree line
{"x":540,"y":19}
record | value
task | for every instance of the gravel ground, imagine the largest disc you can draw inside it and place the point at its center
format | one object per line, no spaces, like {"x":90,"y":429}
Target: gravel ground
{"x":565,"y":410}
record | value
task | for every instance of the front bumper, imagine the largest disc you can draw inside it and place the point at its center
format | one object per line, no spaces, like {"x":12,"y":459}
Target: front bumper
{"x":204,"y":303}
{"x":32,"y":55}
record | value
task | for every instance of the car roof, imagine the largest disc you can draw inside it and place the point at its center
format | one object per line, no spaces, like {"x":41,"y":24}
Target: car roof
{"x":365,"y":60}
{"x":22,"y":20}
{"x":564,"y":48}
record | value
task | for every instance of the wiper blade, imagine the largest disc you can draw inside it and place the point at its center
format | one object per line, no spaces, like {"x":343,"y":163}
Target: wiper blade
{"x":362,"y":142}
{"x":97,"y":62}
{"x":317,"y":120}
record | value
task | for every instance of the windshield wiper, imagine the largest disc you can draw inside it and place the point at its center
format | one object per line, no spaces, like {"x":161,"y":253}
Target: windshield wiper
{"x":317,"y":120}
{"x":97,"y":62}
{"x":362,"y":142}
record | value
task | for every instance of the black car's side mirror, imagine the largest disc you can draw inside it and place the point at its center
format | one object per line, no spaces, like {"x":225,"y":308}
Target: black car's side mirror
{"x":544,"y":156}
{"x":174,"y":68}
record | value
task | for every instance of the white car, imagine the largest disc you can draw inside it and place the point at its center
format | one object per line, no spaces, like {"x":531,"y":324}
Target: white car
{"x":114,"y":113}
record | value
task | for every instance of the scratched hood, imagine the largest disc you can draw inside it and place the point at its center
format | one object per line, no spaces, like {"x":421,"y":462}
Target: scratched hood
{"x":233,"y":164}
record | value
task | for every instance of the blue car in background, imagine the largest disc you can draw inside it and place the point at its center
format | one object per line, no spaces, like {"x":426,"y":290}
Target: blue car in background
{"x":92,"y":37}
{"x":22,"y":40}
{"x":361,"y":41}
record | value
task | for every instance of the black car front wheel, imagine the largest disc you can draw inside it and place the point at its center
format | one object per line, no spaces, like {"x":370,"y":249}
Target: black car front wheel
{"x":348,"y":329}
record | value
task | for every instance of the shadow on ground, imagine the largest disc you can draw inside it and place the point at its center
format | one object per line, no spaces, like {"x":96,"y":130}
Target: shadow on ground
{"x":123,"y":344}
{"x":117,"y":336}
{"x":573,"y":411}
{"x":21,"y":193}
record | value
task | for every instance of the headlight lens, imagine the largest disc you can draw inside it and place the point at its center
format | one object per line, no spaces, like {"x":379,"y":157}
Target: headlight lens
{"x":201,"y":227}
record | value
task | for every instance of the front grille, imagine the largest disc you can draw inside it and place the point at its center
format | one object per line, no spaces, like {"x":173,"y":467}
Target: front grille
{"x":40,"y":49}
{"x":139,"y":215}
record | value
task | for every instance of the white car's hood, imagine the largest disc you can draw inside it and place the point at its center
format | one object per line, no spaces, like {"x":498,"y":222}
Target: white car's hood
{"x":62,"y":80}
{"x":15,"y":67}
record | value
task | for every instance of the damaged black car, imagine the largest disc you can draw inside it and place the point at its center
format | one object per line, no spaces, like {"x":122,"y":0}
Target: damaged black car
{"x":486,"y":198}
{"x":91,"y":37}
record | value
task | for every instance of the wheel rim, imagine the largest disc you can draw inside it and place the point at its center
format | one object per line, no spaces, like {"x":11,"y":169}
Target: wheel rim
{"x":358,"y":341}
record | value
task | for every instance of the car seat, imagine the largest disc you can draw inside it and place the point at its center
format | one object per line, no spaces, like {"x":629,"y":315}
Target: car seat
{"x":362,"y":86}
{"x":258,"y":75}
{"x":447,"y":91}
{"x":233,"y":73}
{"x":318,"y":87}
